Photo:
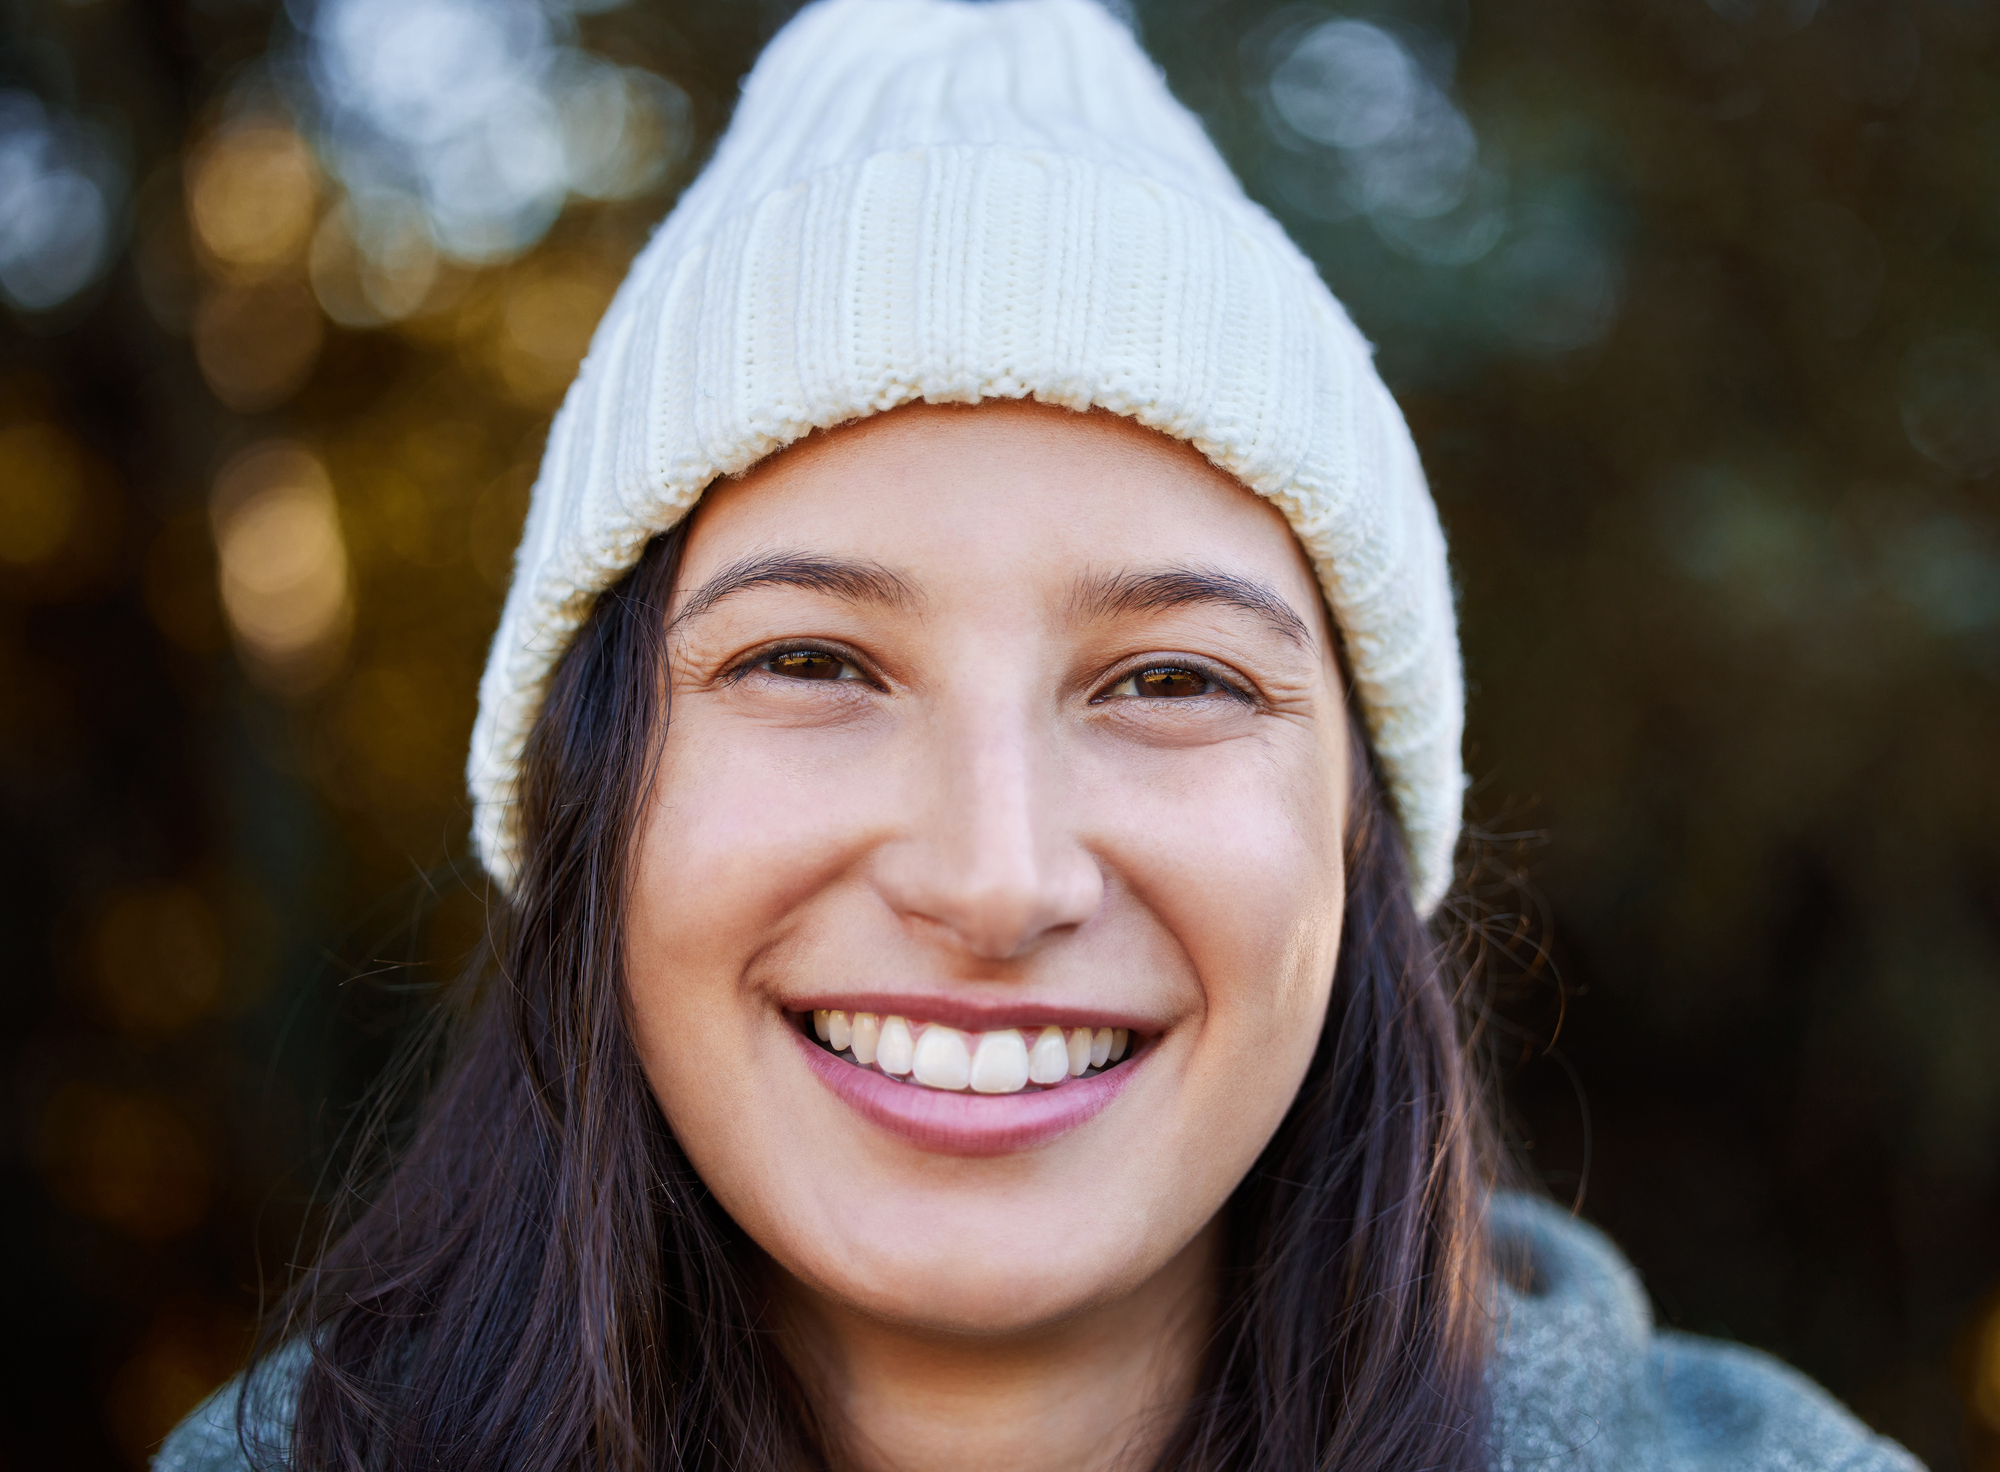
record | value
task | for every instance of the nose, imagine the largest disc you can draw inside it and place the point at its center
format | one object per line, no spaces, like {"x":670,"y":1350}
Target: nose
{"x":991,"y":856}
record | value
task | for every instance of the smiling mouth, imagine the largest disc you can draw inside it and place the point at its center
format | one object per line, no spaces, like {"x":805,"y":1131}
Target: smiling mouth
{"x":1007,"y":1060}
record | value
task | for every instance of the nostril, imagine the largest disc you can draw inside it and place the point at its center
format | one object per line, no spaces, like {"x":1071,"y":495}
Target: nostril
{"x":992,"y":864}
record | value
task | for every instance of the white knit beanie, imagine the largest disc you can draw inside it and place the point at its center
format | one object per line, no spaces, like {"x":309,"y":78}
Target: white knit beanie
{"x":944,"y":201}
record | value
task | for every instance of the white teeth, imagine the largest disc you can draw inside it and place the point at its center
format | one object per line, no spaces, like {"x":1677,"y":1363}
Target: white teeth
{"x":942,"y":1061}
{"x":1003,"y":1061}
{"x":867,"y":1037}
{"x":1000,"y":1063}
{"x":896,"y":1051}
{"x":1049,"y":1062}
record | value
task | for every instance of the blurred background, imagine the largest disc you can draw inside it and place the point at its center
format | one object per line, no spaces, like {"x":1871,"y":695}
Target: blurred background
{"x":1695,"y":306}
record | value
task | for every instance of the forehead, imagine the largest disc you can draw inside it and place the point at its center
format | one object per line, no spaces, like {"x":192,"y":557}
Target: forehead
{"x":957,"y":491}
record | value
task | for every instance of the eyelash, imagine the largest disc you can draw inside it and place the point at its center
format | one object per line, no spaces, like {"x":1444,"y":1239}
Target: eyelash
{"x":1220,"y":683}
{"x":762,"y":659}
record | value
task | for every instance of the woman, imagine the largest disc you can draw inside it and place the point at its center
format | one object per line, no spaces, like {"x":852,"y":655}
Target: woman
{"x":970,"y":751}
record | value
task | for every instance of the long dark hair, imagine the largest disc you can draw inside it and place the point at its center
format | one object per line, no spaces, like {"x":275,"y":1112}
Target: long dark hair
{"x":531,"y":1277}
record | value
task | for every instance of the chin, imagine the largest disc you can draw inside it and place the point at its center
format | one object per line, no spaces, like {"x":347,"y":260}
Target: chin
{"x":951,"y":1272}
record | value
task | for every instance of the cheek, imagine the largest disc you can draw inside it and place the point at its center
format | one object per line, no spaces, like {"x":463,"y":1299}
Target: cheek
{"x":738,"y":849}
{"x":1242,"y":866}
{"x":740,"y":834}
{"x":1241,"y":861}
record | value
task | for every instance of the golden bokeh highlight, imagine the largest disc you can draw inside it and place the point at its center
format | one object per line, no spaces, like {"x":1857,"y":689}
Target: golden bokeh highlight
{"x":407,"y":492}
{"x":256,"y":342}
{"x":41,"y":491}
{"x":252,"y":194}
{"x":493,"y":528}
{"x":540,"y":326}
{"x":252,"y":198}
{"x":406,"y":740}
{"x":1984,"y":1397}
{"x":125,"y":1159}
{"x":432,"y":487}
{"x":155,"y":958}
{"x":397,"y":276}
{"x":282,"y":566}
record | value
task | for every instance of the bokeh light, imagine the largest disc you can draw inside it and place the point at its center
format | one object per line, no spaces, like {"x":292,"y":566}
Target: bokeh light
{"x":481,"y":114}
{"x":251,"y":196}
{"x":1353,"y":86}
{"x":541,"y":326}
{"x":58,"y":200}
{"x":127,"y":1160}
{"x":156,"y":957}
{"x":1370,"y":135}
{"x":1951,"y":402}
{"x":374,"y":266}
{"x":41,"y":494}
{"x":1985,"y":1376}
{"x":282,"y":565}
{"x":256,"y":342}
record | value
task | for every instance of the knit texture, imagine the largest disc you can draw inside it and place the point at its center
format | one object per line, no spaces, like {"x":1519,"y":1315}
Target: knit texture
{"x":1580,"y":1381}
{"x":949,"y":202}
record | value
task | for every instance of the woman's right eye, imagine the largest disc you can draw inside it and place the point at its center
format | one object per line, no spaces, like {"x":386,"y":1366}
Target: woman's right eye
{"x":809,"y":664}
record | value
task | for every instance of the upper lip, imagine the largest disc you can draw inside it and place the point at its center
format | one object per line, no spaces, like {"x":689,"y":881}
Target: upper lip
{"x":970,"y":1015}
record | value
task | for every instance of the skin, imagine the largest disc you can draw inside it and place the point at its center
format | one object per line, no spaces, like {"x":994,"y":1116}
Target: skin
{"x":985,"y":804}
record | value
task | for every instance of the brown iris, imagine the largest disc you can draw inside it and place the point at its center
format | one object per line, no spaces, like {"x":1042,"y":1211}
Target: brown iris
{"x":807,"y":664}
{"x":1168,"y":681}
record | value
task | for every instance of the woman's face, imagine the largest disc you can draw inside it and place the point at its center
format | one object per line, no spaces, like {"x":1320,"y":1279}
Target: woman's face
{"x":996,"y":735}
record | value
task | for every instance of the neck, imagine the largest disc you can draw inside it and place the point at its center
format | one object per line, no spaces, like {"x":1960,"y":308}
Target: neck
{"x":1100,"y":1391}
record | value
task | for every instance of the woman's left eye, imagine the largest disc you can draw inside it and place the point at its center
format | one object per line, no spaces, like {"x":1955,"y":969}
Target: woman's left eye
{"x":1167,"y":682}
{"x":809,"y":664}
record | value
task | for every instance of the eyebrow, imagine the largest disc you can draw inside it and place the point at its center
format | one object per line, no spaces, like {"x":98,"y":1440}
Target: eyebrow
{"x":857,"y":582}
{"x":1109,"y":595}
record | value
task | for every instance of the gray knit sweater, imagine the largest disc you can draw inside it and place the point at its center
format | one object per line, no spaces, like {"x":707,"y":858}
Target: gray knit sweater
{"x":1582,"y":1382}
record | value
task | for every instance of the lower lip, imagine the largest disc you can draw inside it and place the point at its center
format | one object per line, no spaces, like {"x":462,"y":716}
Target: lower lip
{"x":966,"y":1124}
